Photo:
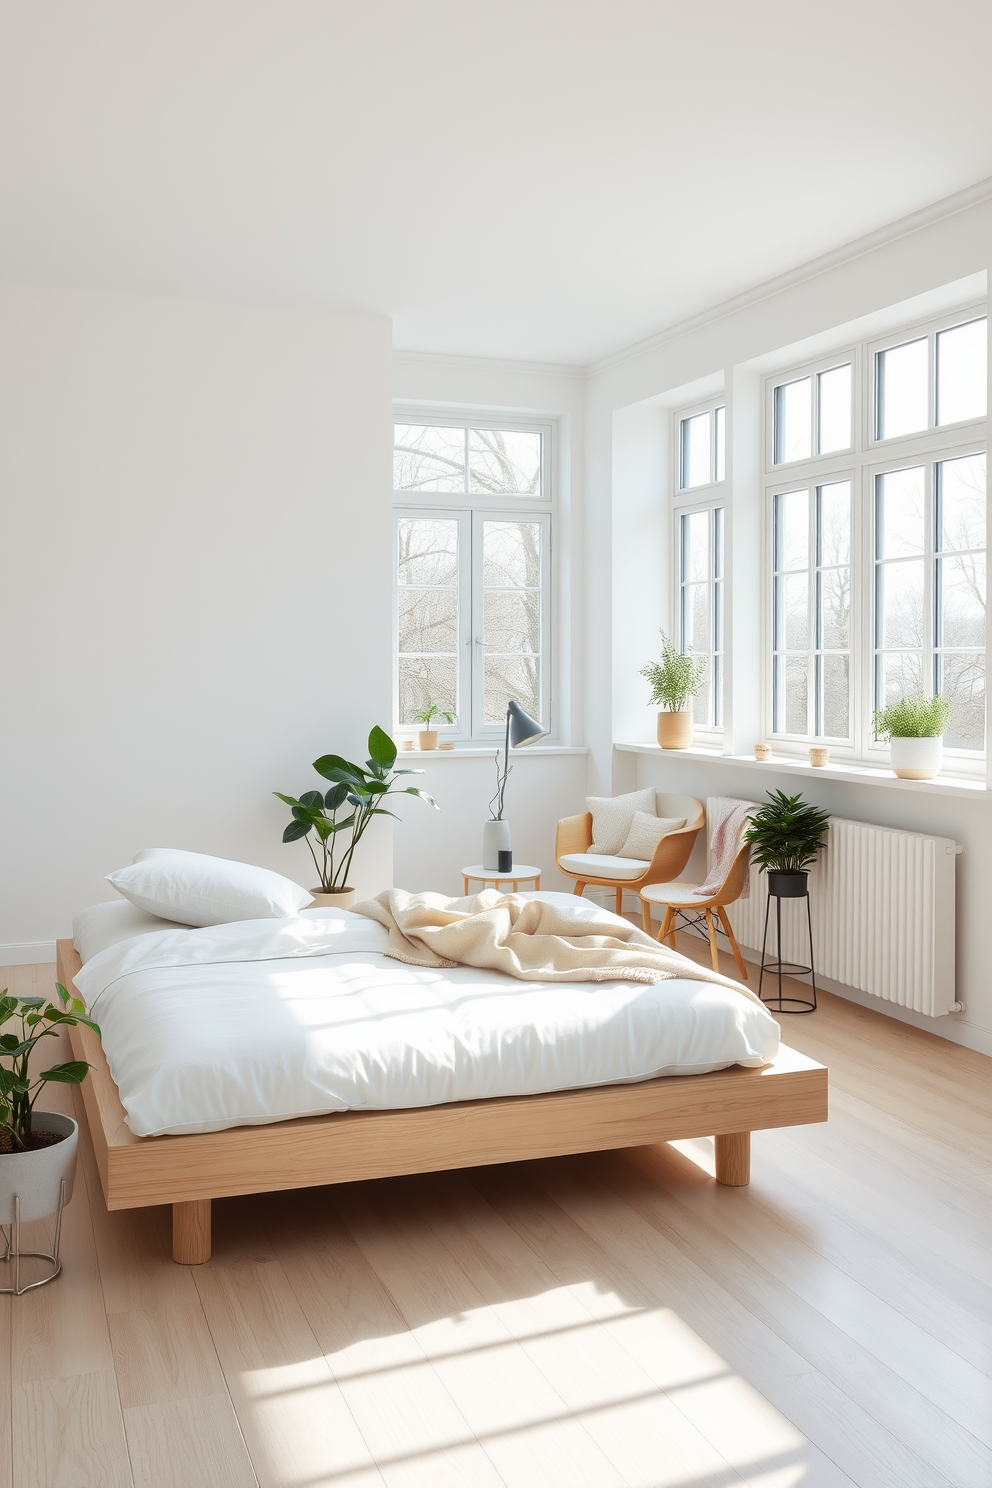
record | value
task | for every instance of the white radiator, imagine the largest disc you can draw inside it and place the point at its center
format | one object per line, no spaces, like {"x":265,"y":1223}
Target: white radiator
{"x":883,"y":915}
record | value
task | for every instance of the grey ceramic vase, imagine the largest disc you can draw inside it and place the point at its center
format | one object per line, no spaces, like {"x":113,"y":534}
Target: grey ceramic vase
{"x":495,"y":839}
{"x":35,"y":1177}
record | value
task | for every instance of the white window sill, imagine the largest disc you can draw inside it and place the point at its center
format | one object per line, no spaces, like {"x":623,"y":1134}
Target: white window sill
{"x":944,"y":785}
{"x":484,"y":751}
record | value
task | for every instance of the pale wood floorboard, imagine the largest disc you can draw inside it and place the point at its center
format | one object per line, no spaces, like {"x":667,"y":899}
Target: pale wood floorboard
{"x":615,"y":1319}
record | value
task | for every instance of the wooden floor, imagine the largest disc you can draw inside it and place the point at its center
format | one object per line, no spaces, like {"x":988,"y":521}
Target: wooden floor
{"x":604,"y":1320}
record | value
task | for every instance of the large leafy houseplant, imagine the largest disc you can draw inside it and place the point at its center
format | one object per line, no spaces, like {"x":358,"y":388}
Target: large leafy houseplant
{"x":363,"y":789}
{"x":35,"y":1019}
{"x":786,"y":834}
{"x":676,"y":678}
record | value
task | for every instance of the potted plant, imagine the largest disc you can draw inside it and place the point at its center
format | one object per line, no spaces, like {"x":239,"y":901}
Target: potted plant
{"x":676,"y":678}
{"x":785,"y":836}
{"x":363,"y":788}
{"x":426,"y":716}
{"x":914,"y":728}
{"x":37,"y":1148}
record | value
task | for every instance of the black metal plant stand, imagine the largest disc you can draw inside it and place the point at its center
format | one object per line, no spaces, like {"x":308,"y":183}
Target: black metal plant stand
{"x":786,"y":886}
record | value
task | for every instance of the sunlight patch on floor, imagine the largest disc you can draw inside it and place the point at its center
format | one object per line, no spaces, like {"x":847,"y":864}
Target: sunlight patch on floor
{"x":699,"y":1150}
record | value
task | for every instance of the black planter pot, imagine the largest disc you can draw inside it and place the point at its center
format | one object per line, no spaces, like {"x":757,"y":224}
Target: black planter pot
{"x":788,"y":885}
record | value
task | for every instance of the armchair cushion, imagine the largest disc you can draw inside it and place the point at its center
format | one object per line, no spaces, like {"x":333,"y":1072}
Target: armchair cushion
{"x":646,"y":832}
{"x":612,"y":816}
{"x":603,"y":865}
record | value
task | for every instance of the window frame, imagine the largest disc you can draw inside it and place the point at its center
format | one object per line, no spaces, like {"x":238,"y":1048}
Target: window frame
{"x":473,"y":509}
{"x":681,"y":416}
{"x":686,"y":500}
{"x":862,"y":463}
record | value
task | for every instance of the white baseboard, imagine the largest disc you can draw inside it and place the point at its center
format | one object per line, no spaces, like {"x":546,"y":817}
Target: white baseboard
{"x":27,"y":952}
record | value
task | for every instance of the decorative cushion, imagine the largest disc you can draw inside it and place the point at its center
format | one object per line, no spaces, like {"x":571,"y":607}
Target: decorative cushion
{"x":612,"y":816}
{"x":603,"y":865}
{"x":646,"y":832}
{"x":196,"y":889}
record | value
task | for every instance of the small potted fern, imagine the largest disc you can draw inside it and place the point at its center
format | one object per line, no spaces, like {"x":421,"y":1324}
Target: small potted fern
{"x":914,"y":728}
{"x":675,"y":680}
{"x":428,"y":728}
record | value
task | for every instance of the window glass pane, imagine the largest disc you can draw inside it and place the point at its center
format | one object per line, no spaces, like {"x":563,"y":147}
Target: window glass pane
{"x":961,"y":502}
{"x":428,"y":551}
{"x":963,"y":679}
{"x":428,"y":459}
{"x":511,"y":555}
{"x":835,"y":695}
{"x":718,"y":556}
{"x":902,"y":675}
{"x":507,"y":677}
{"x":900,"y":512}
{"x":504,"y":462}
{"x":792,"y":612}
{"x":902,"y":389}
{"x":512,"y":620}
{"x":834,"y":529}
{"x":962,"y":371}
{"x":834,"y":589}
{"x":721,"y":444}
{"x":900,"y":603}
{"x":696,"y":617}
{"x":427,"y":600}
{"x":833,"y":393}
{"x":696,"y":546}
{"x":792,"y":530}
{"x":961,"y":606}
{"x":424,"y":680}
{"x":702,"y":705}
{"x":796,"y":686}
{"x":696,"y":451}
{"x":793,"y":421}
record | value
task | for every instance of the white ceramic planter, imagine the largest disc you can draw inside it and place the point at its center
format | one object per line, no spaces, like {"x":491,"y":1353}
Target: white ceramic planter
{"x":341,"y":899}
{"x":916,"y":759}
{"x":495,"y":839}
{"x":675,"y":730}
{"x":36,"y":1177}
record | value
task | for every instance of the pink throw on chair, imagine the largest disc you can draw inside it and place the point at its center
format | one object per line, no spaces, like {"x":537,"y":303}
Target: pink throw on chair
{"x":732,"y":818}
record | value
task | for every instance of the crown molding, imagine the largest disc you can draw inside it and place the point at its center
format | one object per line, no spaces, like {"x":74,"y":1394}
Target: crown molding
{"x":902,"y":227}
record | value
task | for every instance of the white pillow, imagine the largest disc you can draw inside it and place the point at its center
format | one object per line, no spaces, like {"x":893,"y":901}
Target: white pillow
{"x":103,"y":925}
{"x":199,"y":890}
{"x":646,"y":832}
{"x":612,"y":816}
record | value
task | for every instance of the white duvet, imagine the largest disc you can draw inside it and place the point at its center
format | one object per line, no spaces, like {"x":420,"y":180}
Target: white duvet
{"x":265,"y":1019}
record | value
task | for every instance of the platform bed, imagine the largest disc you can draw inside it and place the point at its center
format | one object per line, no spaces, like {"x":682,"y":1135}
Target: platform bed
{"x":309,"y":1151}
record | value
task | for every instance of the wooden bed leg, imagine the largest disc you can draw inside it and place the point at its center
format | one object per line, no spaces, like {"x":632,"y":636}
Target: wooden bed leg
{"x":733,"y":1159}
{"x":191,"y":1232}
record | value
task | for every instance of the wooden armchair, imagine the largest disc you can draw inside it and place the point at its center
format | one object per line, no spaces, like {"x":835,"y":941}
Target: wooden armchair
{"x":574,"y":838}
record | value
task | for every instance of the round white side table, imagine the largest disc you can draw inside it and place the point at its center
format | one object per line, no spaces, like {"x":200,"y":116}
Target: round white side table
{"x":519,"y":873}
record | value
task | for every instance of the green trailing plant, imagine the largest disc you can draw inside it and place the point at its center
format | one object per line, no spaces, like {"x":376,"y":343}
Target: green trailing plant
{"x":913,"y":718}
{"x":426,"y":715}
{"x":786,"y":834}
{"x":674,"y":679}
{"x":36,"y":1020}
{"x":361,"y":789}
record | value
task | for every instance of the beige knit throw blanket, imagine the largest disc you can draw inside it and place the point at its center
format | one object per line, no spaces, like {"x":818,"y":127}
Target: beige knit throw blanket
{"x":526,"y":938}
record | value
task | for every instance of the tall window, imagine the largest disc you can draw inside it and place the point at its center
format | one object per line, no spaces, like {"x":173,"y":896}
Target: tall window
{"x":878,"y":536}
{"x":700,"y":444}
{"x":473,"y":554}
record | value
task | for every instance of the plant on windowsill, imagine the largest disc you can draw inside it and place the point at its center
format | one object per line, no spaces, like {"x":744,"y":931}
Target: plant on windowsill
{"x":363,"y":788}
{"x":676,"y":678}
{"x":785,"y":836}
{"x":914,"y":729}
{"x":426,"y":716}
{"x":37,"y":1148}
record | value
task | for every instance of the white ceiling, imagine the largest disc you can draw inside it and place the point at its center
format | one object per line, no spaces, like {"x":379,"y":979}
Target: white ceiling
{"x":546,"y":179}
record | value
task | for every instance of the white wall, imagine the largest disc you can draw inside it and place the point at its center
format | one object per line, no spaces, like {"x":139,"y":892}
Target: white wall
{"x":624,"y":395}
{"x":183,"y":489}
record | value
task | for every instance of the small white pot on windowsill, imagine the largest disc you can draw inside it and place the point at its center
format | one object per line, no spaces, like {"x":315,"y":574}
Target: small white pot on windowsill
{"x":916,"y":759}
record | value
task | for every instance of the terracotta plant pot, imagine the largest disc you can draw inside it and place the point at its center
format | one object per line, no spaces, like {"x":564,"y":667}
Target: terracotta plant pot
{"x":675,"y":730}
{"x":333,"y":899}
{"x":916,"y":759}
{"x":428,"y":738}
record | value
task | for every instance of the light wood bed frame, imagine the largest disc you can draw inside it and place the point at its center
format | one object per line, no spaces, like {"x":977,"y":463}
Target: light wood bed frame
{"x":308,"y":1151}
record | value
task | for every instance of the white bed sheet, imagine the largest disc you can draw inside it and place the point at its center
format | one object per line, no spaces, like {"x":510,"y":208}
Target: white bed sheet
{"x":262,"y":1020}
